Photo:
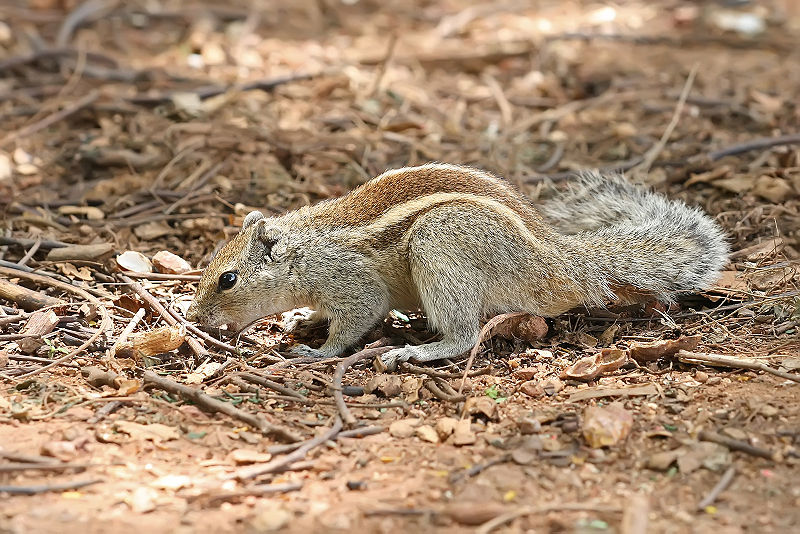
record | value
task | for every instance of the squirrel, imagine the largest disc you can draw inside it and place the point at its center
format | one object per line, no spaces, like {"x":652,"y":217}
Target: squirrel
{"x":462,"y":245}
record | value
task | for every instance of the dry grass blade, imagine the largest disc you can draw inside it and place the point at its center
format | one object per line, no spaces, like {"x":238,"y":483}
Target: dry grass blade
{"x":652,"y":154}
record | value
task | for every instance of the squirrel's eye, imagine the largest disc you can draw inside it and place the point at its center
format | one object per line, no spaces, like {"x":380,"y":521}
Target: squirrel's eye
{"x":227,"y":280}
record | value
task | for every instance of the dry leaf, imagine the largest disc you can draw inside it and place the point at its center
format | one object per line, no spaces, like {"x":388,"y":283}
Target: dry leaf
{"x":738,"y":183}
{"x":152,"y":230}
{"x":520,"y":326}
{"x":591,"y":367}
{"x":663,"y":348}
{"x":206,"y":370}
{"x":525,"y":373}
{"x":172,"y":482}
{"x":142,"y":500}
{"x":474,"y":513}
{"x":388,"y":385}
{"x":63,"y":450}
{"x":776,"y":190}
{"x":481,"y":405}
{"x":70,"y":271}
{"x":90,"y":212}
{"x":660,"y":461}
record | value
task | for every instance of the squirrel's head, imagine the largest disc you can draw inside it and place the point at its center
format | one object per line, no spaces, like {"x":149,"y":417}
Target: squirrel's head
{"x":249,"y":278}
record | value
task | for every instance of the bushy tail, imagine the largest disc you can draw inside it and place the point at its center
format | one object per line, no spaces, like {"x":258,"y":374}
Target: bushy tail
{"x":640,"y":238}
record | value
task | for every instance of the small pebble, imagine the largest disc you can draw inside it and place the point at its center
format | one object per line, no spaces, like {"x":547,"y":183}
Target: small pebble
{"x":701,"y":377}
{"x":714,"y":380}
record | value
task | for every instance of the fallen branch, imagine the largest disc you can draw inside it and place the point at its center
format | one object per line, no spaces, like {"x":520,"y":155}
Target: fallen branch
{"x":515,"y":319}
{"x":203,"y":400}
{"x":338,"y":375}
{"x":735,"y":444}
{"x":33,"y":490}
{"x":478,"y":468}
{"x":720,"y":360}
{"x":52,"y":53}
{"x":439,"y":389}
{"x":280,"y":464}
{"x":25,"y":466}
{"x":203,"y":93}
{"x":360,"y":432}
{"x":164,"y":277}
{"x":88,"y":10}
{"x":754,"y":144}
{"x":27,"y":299}
{"x":715,"y":155}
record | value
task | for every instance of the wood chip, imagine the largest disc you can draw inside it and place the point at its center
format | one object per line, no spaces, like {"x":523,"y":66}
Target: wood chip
{"x":39,"y":324}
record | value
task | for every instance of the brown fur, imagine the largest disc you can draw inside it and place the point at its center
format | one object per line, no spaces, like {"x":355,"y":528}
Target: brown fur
{"x":369,"y":201}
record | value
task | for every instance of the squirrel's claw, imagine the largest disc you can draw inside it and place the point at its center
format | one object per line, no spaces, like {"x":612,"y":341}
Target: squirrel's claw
{"x":392,"y":359}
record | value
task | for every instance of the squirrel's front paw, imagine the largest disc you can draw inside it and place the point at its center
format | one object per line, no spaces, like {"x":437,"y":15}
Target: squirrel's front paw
{"x":390,"y":360}
{"x":301,"y":320}
{"x":306,"y":352}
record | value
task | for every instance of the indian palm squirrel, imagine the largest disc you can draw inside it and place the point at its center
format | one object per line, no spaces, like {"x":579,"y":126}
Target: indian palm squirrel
{"x":462,"y":245}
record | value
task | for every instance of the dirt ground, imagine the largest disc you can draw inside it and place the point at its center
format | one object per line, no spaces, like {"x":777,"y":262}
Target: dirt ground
{"x":156,"y":126}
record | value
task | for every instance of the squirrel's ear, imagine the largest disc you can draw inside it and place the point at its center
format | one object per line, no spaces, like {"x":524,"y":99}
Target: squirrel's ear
{"x":252,"y":217}
{"x":270,"y":238}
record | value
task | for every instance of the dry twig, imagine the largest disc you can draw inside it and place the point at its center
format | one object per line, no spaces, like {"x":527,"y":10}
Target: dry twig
{"x":720,"y":360}
{"x":261,"y":381}
{"x":33,"y":490}
{"x":500,"y":520}
{"x":156,"y":306}
{"x":735,"y":444}
{"x":280,"y":464}
{"x":720,"y":486}
{"x":338,"y":375}
{"x":257,"y":421}
{"x":104,"y":325}
{"x":51,"y":119}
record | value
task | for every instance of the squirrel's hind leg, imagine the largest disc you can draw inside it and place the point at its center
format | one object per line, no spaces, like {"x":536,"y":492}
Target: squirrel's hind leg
{"x":451,"y":300}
